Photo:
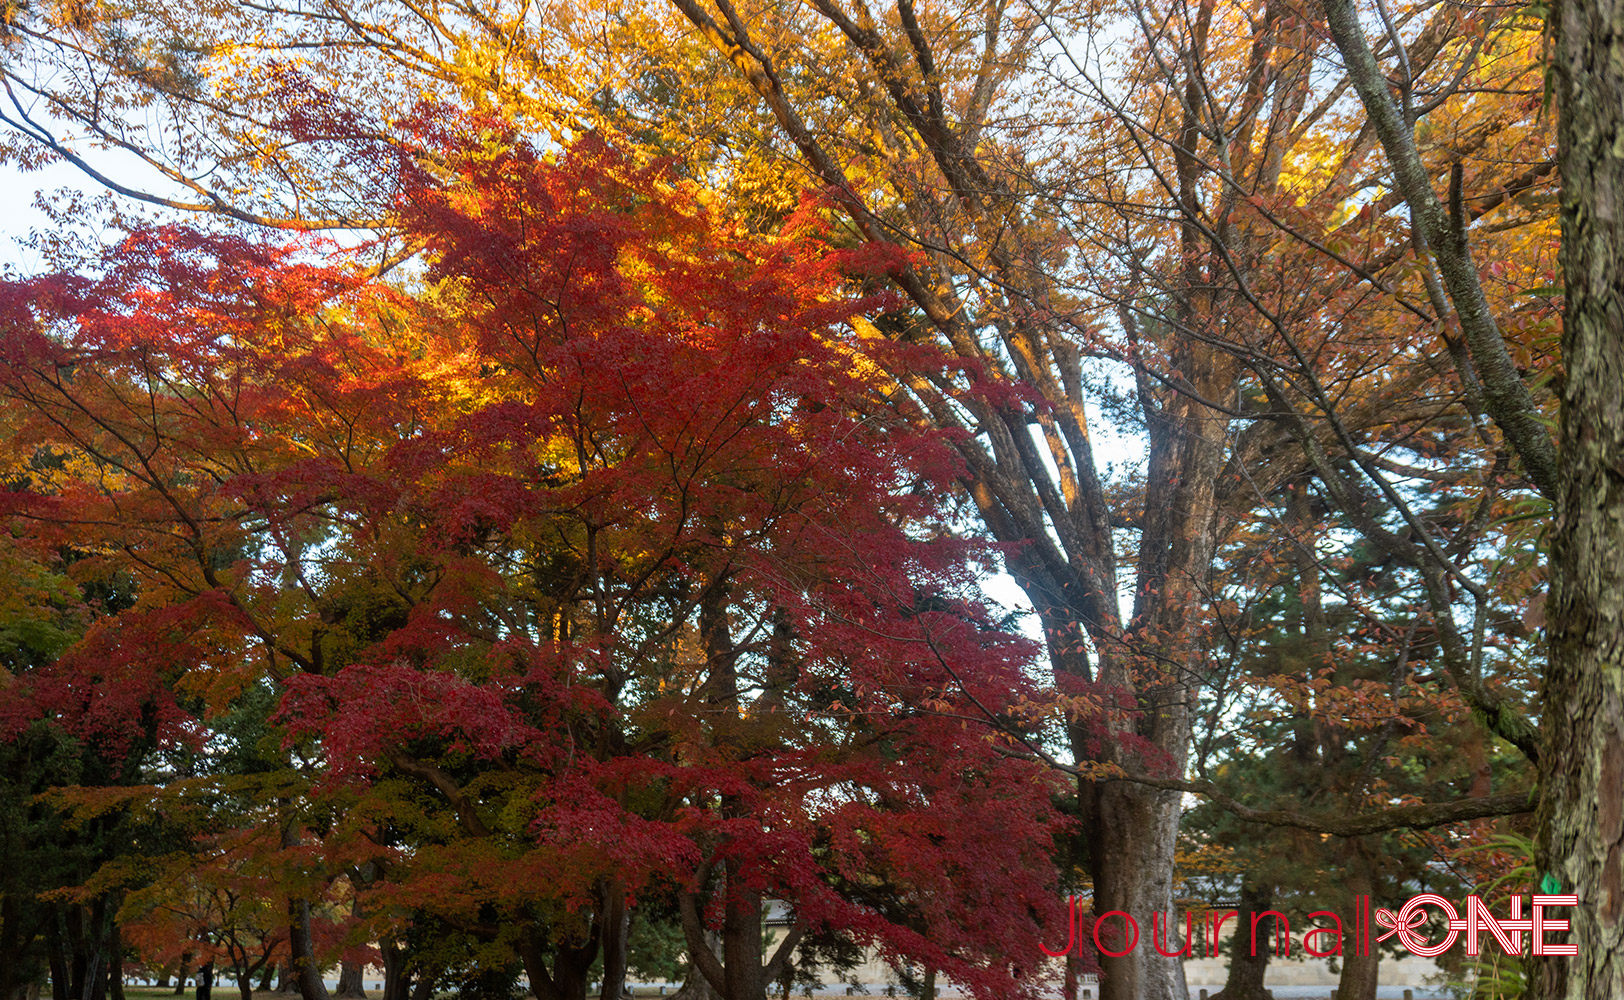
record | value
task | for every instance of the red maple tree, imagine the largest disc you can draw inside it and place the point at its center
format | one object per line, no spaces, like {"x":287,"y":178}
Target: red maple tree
{"x":590,"y":567}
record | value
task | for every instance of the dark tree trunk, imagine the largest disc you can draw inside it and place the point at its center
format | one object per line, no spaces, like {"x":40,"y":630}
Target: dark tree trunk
{"x":58,"y":963}
{"x":1248,"y":963}
{"x":115,"y":964}
{"x":78,"y":959}
{"x":351,"y":983}
{"x":396,"y":977}
{"x":615,"y":919}
{"x":12,"y":939}
{"x":180,"y":973}
{"x":1581,"y":808}
{"x":741,"y":940}
{"x":306,"y":970}
{"x":91,"y":969}
{"x":567,"y":978}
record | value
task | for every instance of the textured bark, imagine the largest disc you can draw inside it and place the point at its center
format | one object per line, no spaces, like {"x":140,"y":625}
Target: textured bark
{"x":306,"y":969}
{"x":1133,"y":829}
{"x":1504,"y":394}
{"x":741,"y":941}
{"x":1247,"y":965}
{"x":1358,"y":979}
{"x":1581,"y":810}
{"x":1359,"y":975}
{"x":350,"y":982}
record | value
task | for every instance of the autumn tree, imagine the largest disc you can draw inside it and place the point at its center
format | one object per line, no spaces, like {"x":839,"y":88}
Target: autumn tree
{"x":1206,"y":218}
{"x":644,"y":587}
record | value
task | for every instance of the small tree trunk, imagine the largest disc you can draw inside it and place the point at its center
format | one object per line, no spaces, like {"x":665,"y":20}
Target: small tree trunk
{"x":615,"y":919}
{"x":59,"y":965}
{"x":115,"y":964}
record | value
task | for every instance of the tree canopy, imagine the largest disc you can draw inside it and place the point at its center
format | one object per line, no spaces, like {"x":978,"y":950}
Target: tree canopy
{"x":589,"y":529}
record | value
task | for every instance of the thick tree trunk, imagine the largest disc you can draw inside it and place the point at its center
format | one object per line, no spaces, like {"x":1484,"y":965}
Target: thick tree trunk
{"x":306,"y":970}
{"x":1581,"y":809}
{"x":741,"y":941}
{"x":567,"y":978}
{"x":1359,"y":975}
{"x":1132,"y":830}
{"x":1249,"y":964}
{"x":396,"y":977}
{"x":350,"y":983}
